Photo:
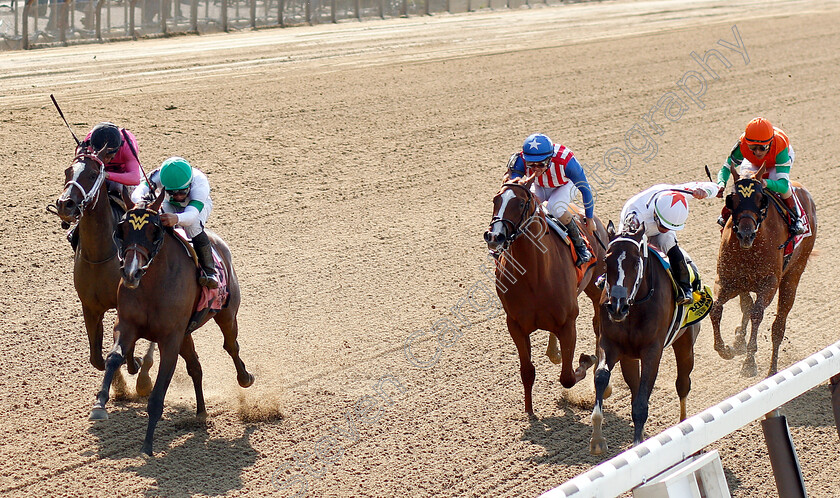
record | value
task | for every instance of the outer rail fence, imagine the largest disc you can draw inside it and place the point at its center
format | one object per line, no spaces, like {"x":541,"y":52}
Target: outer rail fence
{"x":674,"y":445}
{"x":28,"y":24}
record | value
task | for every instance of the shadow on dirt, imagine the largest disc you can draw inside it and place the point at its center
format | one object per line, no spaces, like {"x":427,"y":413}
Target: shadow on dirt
{"x":187,"y":461}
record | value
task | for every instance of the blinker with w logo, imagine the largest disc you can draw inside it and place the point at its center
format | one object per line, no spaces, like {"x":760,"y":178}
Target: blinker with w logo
{"x":746,"y":190}
{"x":138,"y":222}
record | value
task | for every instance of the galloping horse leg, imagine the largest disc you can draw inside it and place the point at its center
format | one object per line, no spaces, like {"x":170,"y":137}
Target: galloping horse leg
{"x":763,"y":298}
{"x":168,"y":360}
{"x":194,"y":369}
{"x":226,"y":320}
{"x":112,"y":364}
{"x":143,"y":385}
{"x":650,"y":369}
{"x":95,"y":330}
{"x":527,"y":371}
{"x":715,"y":314}
{"x":740,"y":345}
{"x":787,"y":294}
{"x":684,"y":354}
{"x":566,"y":337}
{"x":598,"y":444}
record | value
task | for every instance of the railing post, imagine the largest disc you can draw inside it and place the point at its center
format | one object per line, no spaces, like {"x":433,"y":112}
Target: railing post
{"x":253,"y":14}
{"x":25,"y":27}
{"x":194,"y":16}
{"x":469,"y":5}
{"x":98,"y":14}
{"x":308,"y":4}
{"x":426,"y":8}
{"x":359,"y":10}
{"x":224,"y":15}
{"x":835,"y":400}
{"x":447,"y":8}
{"x":382,"y":9}
{"x":162,"y":13}
{"x":404,"y":8}
{"x":132,"y":25}
{"x":61,"y":21}
{"x":783,"y":459}
{"x":280,"y":20}
{"x":332,"y":12}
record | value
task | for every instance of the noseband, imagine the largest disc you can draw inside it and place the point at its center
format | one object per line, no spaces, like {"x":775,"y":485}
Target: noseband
{"x":88,"y":196}
{"x":514,"y":227}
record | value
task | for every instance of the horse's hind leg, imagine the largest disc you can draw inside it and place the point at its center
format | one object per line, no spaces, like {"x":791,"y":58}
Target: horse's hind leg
{"x":226,"y":320}
{"x":787,"y":294}
{"x":715,"y":315}
{"x":763,"y":299}
{"x":684,"y":354}
{"x":650,"y":368}
{"x":194,"y":369}
{"x":740,"y":345}
{"x":95,"y":330}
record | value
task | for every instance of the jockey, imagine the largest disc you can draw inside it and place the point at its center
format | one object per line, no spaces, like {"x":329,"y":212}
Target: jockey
{"x":662,"y":210}
{"x":117,"y":149}
{"x":557,"y":180}
{"x":188,"y":205}
{"x":763,"y":144}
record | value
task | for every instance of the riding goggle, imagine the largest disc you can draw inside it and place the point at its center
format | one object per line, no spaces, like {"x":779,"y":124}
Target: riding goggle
{"x":180,"y":191}
{"x":538,"y":164}
{"x":758,"y":147}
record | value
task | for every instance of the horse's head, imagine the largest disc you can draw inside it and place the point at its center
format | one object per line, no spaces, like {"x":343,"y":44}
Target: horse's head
{"x":141,"y":236}
{"x":512,"y":206}
{"x":748,"y":203}
{"x":625,"y":261}
{"x":83,"y":180}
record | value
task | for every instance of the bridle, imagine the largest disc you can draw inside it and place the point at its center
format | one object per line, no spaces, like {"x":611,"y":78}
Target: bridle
{"x":137,"y":222}
{"x":759,"y":213}
{"x":642,"y":247}
{"x":515,"y":228}
{"x":88,"y":196}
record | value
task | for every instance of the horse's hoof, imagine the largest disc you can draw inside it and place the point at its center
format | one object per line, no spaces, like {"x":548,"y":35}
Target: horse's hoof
{"x":201,"y":417}
{"x":749,"y":369}
{"x":98,"y":362}
{"x":598,"y":447}
{"x":247,"y":382}
{"x":98,"y":414}
{"x":586,"y":361}
{"x":144,"y":385}
{"x":725,"y":352}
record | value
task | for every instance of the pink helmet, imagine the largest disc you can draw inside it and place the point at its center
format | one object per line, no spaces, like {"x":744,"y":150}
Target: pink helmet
{"x":671,"y":209}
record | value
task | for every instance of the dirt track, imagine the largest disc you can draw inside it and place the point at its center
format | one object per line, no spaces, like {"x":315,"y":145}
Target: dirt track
{"x":353,"y":168}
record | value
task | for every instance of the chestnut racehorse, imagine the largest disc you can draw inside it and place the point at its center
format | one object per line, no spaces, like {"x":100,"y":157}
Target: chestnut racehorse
{"x":639,"y":305}
{"x":158,"y":308}
{"x":751,"y":259}
{"x":96,"y":269}
{"x":536,"y":280}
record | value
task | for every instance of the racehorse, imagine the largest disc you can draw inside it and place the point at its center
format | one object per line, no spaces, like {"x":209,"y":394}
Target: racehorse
{"x":751,"y":259}
{"x":96,"y":269}
{"x":639,"y":305}
{"x":543,"y":292}
{"x":159,"y":307}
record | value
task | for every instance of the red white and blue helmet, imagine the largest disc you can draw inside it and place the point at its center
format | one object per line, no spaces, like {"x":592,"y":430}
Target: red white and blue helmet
{"x":537,"y":147}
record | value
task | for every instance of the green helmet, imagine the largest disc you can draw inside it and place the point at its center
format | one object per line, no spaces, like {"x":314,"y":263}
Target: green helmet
{"x":175,"y":173}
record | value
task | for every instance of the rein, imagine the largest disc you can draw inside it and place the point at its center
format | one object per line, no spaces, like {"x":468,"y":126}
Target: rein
{"x":515,"y":228}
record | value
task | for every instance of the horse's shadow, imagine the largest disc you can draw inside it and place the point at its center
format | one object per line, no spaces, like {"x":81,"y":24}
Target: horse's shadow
{"x":192,"y":462}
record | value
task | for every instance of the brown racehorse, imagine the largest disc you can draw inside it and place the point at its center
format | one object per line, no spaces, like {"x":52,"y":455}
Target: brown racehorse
{"x":638,"y":301}
{"x":536,"y":280}
{"x":96,"y":269}
{"x":158,"y":308}
{"x":751,"y":259}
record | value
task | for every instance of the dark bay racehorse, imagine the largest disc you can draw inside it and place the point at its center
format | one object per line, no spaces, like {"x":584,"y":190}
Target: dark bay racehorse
{"x":536,"y":281}
{"x":751,"y":259}
{"x":637,"y":307}
{"x":96,"y":269}
{"x":158,"y":308}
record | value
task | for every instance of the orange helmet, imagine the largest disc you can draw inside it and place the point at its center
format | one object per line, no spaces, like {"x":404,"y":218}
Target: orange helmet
{"x":759,"y":131}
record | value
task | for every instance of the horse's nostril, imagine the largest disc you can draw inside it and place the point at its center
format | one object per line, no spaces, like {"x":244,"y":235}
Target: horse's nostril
{"x":487,"y":236}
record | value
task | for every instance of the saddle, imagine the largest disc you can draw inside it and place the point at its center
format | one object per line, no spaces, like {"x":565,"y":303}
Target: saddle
{"x":687,"y":314}
{"x":558,"y":228}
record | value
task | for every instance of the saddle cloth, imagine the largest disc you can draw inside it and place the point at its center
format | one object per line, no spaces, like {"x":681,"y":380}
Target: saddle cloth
{"x":685,"y":315}
{"x":212,"y":299}
{"x":558,"y":228}
{"x":800,"y":211}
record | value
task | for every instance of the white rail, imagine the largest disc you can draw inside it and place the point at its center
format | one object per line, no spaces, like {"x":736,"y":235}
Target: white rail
{"x":636,"y":465}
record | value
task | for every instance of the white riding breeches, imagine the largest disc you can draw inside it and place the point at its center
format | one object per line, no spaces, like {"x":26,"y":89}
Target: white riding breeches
{"x":558,"y":198}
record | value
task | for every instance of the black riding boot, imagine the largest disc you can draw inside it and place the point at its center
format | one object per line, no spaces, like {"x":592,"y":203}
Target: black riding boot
{"x":679,"y":269}
{"x":580,"y":246}
{"x":208,"y":278}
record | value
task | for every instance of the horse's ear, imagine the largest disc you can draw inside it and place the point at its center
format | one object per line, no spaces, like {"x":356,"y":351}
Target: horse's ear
{"x":729,"y":202}
{"x":735,"y":175}
{"x":610,"y":230}
{"x":760,"y":173}
{"x":126,"y":197}
{"x":156,"y":205}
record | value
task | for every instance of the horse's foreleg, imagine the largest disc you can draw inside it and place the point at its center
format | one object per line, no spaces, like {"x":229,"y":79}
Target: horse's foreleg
{"x":143,"y":385}
{"x":787,"y":294}
{"x":168,"y":360}
{"x":684,"y":354}
{"x":566,"y":336}
{"x":112,"y":365}
{"x":650,"y":369}
{"x":598,"y":443}
{"x":194,"y":369}
{"x":740,"y":345}
{"x":715,"y":314}
{"x":226,"y":320}
{"x":763,"y":298}
{"x":527,"y":371}
{"x":95,"y":330}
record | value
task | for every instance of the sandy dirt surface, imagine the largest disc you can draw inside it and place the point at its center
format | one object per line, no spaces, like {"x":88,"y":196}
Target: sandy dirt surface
{"x":353,"y":168}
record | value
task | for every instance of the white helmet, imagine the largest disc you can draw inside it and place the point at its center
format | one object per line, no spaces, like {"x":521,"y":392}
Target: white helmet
{"x":671,"y":209}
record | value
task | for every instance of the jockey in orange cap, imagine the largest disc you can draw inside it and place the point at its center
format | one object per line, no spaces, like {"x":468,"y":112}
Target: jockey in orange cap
{"x":763,"y":144}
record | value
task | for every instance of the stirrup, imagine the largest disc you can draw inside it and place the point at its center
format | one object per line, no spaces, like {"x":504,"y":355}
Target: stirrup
{"x":684,"y":297}
{"x":798,"y":228}
{"x":583,"y":255}
{"x":721,"y":221}
{"x":209,"y":280}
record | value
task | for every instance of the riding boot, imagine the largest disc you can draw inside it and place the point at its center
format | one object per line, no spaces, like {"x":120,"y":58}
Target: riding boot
{"x":679,"y":269}
{"x":796,"y":225}
{"x":580,"y":246}
{"x":725,"y":213}
{"x":204,"y":251}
